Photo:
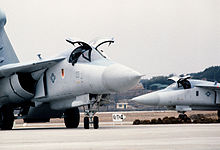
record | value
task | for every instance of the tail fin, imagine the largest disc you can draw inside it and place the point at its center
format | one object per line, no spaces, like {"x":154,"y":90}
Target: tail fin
{"x":7,"y":54}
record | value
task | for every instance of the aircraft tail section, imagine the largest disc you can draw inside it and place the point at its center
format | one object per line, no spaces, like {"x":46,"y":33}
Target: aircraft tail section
{"x":7,"y":54}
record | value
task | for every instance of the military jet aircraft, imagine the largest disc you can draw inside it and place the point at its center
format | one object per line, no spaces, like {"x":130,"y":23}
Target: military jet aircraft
{"x":56,"y":87}
{"x":185,"y":94}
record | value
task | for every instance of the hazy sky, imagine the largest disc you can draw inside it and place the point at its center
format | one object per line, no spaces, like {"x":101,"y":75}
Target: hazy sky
{"x":154,"y":37}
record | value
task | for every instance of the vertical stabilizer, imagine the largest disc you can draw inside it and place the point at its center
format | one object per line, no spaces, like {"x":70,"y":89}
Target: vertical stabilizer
{"x":7,"y":54}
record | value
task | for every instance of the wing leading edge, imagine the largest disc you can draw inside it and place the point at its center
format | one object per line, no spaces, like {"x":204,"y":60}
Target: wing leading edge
{"x":10,"y":69}
{"x":215,"y":86}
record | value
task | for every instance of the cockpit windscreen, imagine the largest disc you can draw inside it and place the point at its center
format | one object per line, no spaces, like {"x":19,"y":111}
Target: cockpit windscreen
{"x":85,"y":54}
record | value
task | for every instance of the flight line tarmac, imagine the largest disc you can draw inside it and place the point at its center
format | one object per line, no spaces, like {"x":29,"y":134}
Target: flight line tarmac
{"x":109,"y":136}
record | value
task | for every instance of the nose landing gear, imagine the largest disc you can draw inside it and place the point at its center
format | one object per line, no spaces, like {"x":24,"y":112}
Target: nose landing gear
{"x":96,"y":100}
{"x":93,"y":107}
{"x":91,"y":119}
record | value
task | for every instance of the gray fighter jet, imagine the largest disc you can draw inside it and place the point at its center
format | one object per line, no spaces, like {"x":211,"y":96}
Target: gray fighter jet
{"x":185,"y":95}
{"x":56,"y":87}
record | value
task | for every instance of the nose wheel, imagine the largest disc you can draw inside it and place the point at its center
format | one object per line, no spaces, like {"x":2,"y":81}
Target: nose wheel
{"x":91,"y":119}
{"x":86,"y":122}
{"x":96,"y":122}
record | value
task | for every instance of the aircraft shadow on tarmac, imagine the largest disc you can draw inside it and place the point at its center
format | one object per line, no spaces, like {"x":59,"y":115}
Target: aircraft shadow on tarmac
{"x":54,"y":128}
{"x":43,"y":128}
{"x":79,"y":128}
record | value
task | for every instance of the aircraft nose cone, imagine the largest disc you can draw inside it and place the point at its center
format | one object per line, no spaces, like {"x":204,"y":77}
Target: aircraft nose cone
{"x":118,"y":78}
{"x":148,"y":99}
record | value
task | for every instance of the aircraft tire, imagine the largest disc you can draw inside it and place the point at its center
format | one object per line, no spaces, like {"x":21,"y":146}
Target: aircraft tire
{"x":6,"y":119}
{"x":96,"y":122}
{"x":86,"y":122}
{"x":72,"y":117}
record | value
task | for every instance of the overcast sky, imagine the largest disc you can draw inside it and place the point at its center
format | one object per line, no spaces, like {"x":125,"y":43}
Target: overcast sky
{"x":154,"y":37}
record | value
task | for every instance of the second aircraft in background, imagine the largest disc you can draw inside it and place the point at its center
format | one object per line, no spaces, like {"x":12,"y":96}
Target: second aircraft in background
{"x":185,"y":95}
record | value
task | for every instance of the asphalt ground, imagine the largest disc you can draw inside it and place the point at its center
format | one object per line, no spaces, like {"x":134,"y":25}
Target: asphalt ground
{"x":55,"y":136}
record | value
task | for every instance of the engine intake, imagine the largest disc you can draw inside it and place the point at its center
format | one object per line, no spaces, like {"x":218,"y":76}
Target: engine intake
{"x":18,"y":88}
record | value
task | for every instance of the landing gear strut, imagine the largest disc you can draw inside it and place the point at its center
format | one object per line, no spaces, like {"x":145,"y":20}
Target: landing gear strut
{"x":72,"y":117}
{"x":6,"y":118}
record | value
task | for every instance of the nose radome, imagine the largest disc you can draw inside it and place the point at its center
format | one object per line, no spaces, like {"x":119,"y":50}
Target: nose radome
{"x":119,"y":78}
{"x":148,"y":99}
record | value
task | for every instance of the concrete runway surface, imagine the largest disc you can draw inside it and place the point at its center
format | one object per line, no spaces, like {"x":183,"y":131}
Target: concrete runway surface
{"x":126,"y":137}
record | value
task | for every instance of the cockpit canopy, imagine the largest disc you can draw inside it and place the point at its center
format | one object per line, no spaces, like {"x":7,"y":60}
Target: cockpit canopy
{"x":85,"y":52}
{"x":180,"y":83}
{"x":184,"y":83}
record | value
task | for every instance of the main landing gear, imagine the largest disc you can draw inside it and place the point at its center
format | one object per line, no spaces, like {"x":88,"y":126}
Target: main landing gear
{"x":6,"y":118}
{"x":72,"y":117}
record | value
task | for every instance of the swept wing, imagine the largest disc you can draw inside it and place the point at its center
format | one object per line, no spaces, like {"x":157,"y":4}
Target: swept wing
{"x":215,"y":86}
{"x":10,"y":69}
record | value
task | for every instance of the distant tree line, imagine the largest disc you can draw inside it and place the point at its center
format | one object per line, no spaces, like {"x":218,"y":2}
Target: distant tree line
{"x":160,"y":82}
{"x":156,"y":83}
{"x":210,"y":74}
